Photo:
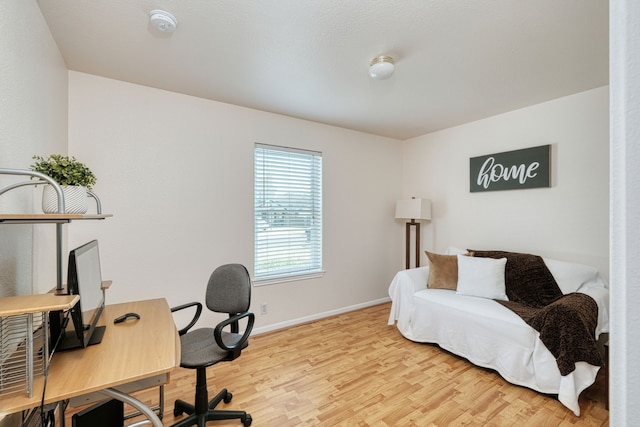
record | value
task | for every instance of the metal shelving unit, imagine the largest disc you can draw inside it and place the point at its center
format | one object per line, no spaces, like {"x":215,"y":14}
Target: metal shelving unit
{"x":24,"y":320}
{"x":59,"y":219}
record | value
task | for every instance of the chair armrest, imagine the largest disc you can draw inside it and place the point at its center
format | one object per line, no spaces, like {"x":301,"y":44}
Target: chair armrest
{"x":217,"y":332}
{"x":196,"y":316}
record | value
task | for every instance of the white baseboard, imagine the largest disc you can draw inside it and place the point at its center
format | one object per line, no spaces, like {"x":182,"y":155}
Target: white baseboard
{"x":307,"y":319}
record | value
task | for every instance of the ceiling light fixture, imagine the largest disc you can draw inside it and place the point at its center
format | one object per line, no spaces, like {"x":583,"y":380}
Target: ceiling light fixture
{"x":381,"y":67}
{"x":163,"y":21}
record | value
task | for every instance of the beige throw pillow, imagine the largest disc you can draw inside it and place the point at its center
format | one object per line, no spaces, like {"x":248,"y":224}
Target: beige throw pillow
{"x":443,"y":271}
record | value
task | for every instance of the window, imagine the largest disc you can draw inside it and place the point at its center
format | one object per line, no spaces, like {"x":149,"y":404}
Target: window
{"x":287,"y":213}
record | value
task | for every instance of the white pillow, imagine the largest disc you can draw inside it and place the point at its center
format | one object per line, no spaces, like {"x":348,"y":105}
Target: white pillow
{"x":481,"y":277}
{"x":571,"y":276}
{"x":452,"y":250}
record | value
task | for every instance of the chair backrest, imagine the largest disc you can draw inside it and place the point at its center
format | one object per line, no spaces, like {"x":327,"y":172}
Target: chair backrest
{"x":229,"y":289}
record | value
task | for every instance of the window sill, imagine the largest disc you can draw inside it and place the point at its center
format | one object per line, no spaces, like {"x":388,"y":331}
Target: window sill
{"x":284,"y":279}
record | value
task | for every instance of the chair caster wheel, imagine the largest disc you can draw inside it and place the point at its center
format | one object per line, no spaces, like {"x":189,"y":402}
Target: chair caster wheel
{"x":246,"y":422}
{"x":228,"y":397}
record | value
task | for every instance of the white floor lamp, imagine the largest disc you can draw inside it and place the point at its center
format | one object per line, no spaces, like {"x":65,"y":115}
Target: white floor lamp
{"x":414,"y":210}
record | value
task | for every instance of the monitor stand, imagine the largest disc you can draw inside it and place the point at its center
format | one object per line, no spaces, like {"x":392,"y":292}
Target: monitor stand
{"x":69,"y":341}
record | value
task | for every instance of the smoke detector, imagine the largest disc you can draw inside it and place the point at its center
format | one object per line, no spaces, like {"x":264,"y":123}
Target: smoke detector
{"x":163,"y":21}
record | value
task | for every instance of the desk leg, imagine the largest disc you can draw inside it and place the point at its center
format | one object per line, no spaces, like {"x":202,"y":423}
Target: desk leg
{"x":146,"y":411}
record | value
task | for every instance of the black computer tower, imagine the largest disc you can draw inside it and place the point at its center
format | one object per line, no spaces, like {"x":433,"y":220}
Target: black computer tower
{"x":104,"y":414}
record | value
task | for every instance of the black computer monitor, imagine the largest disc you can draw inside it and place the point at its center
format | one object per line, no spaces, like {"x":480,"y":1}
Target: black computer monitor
{"x":84,"y":279}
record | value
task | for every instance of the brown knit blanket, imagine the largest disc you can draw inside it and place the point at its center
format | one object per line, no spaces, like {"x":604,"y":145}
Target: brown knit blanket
{"x":566,"y":323}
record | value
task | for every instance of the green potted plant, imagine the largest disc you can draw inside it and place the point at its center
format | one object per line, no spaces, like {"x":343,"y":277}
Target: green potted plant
{"x":74,"y":177}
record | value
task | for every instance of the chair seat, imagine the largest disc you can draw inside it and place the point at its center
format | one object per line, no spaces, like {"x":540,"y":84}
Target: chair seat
{"x":199,"y":348}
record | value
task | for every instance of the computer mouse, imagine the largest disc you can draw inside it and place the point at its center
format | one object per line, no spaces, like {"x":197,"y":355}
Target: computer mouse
{"x":125,"y":317}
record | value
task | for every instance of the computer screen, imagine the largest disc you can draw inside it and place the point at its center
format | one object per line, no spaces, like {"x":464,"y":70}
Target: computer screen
{"x":84,"y":279}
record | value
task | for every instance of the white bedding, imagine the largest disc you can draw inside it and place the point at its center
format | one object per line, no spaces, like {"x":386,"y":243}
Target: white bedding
{"x":490,"y":335}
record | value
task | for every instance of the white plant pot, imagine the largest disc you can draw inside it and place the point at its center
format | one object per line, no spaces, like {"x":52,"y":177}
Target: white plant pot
{"x":75,"y":199}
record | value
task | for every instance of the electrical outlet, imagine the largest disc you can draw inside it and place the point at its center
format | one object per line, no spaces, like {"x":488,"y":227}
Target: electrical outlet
{"x":264,"y":309}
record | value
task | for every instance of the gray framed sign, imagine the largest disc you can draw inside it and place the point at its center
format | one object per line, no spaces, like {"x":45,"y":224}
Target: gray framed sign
{"x":526,"y":168}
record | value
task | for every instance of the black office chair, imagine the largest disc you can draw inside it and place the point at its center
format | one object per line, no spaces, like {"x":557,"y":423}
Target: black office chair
{"x":228,"y":291}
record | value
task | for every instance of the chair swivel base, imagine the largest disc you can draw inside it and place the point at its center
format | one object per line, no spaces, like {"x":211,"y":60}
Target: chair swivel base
{"x":200,"y":414}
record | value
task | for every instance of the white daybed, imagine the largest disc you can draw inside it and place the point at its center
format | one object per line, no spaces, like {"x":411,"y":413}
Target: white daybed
{"x":492,"y":336}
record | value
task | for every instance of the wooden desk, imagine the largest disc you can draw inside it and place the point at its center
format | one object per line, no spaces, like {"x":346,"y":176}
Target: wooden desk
{"x":134,"y":354}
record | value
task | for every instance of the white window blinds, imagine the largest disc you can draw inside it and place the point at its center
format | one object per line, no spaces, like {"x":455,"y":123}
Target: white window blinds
{"x":287,"y":212}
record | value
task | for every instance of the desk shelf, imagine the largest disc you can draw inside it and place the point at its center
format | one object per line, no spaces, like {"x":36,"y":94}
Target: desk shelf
{"x":26,"y":304}
{"x":24,"y":346}
{"x":48,"y":218}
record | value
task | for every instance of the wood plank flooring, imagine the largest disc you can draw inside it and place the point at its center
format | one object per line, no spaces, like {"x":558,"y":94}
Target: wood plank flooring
{"x":354,"y":370}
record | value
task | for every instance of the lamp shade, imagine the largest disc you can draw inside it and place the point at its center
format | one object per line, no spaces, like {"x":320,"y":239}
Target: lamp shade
{"x":419,"y":209}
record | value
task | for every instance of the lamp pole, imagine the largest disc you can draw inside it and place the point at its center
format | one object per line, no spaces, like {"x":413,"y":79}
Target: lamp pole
{"x":415,"y":224}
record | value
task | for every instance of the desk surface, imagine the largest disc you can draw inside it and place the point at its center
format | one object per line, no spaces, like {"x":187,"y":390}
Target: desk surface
{"x":129,"y":351}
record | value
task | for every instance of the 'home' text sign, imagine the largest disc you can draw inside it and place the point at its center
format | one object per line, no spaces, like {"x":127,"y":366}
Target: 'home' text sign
{"x":527,"y":168}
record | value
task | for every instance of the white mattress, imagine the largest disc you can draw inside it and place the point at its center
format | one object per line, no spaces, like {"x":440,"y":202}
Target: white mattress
{"x":487,"y":334}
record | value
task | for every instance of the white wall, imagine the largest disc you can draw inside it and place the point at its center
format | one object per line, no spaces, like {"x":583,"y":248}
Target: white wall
{"x":177,"y":173}
{"x":625,"y":212}
{"x":33,"y":120}
{"x":568,"y":221}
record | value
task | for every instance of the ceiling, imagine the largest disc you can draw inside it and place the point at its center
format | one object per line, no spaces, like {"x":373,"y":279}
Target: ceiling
{"x":456,"y":60}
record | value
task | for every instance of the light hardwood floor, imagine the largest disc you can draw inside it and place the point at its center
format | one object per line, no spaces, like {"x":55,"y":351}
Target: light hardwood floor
{"x":354,"y":370}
